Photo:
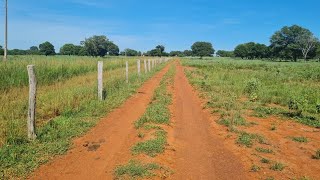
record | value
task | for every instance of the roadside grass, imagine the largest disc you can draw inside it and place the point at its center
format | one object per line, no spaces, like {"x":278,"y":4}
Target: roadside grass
{"x":152,"y":147}
{"x":265,"y":161}
{"x":293,"y":88}
{"x":136,"y":169}
{"x":248,"y":139}
{"x":80,"y":110}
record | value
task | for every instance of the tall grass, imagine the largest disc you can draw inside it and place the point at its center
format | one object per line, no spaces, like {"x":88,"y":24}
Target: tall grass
{"x":264,"y":86}
{"x":65,"y":109}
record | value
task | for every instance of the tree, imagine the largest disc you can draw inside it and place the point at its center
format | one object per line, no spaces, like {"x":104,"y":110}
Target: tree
{"x":289,"y":42}
{"x":131,"y":52}
{"x":176,"y":53}
{"x":68,"y":49}
{"x":113,"y":49}
{"x":47,"y":49}
{"x":306,"y":42}
{"x":222,"y":53}
{"x":241,"y":51}
{"x":1,"y":50}
{"x":318,"y":51}
{"x":34,"y":48}
{"x":187,"y":53}
{"x":160,"y":48}
{"x":96,"y":46}
{"x":202,"y":49}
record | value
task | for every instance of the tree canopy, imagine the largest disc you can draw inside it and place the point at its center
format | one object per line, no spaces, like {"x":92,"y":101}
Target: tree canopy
{"x":202,"y":49}
{"x":99,"y":46}
{"x":222,"y":53}
{"x":289,"y":41}
{"x":47,"y":49}
{"x":251,"y":50}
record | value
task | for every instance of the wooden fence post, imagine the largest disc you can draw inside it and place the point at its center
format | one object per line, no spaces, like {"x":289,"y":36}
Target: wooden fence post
{"x":149,"y":65}
{"x":145,"y":67}
{"x":139,"y":67}
{"x":32,"y":103}
{"x":100,"y":80}
{"x":127,"y":72}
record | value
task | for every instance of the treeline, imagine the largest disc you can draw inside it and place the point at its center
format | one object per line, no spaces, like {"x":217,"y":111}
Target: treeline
{"x":289,"y":43}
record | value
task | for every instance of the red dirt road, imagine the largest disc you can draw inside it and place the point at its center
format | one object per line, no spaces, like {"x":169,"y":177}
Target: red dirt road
{"x":200,"y":153}
{"x":95,"y":155}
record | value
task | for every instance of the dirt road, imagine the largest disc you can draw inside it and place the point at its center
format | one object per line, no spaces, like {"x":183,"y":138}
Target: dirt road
{"x":200,"y":154}
{"x":95,"y":155}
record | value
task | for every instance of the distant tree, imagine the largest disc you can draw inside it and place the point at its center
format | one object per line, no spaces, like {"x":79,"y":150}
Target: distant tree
{"x":47,"y":49}
{"x":222,"y":53}
{"x":241,"y":51}
{"x":176,"y":53}
{"x":34,"y":48}
{"x":96,"y":46}
{"x":317,"y":51}
{"x":202,"y":49}
{"x":154,"y":52}
{"x":82,"y":51}
{"x":251,"y":50}
{"x":307,"y":42}
{"x":131,"y":52}
{"x":113,"y":49}
{"x":68,"y":49}
{"x":1,"y":50}
{"x":160,"y":48}
{"x":290,"y":42}
{"x":17,"y":52}
{"x":187,"y":53}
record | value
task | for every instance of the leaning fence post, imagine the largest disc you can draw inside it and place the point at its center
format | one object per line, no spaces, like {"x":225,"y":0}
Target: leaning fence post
{"x":127,"y":72}
{"x":139,"y":66}
{"x":32,"y":103}
{"x":145,"y":67}
{"x":100,"y":80}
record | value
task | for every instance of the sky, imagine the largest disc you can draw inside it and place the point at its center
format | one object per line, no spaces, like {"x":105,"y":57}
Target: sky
{"x":143,"y":24}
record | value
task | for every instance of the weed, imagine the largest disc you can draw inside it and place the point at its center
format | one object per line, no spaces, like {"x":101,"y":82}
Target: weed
{"x":263,"y":150}
{"x":255,"y":168}
{"x":141,"y":135}
{"x":300,"y":139}
{"x":247,"y":139}
{"x":317,"y":155}
{"x":277,"y":166}
{"x":264,"y":160}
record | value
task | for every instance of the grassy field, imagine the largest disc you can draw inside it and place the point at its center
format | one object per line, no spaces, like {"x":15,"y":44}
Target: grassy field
{"x":67,"y":105}
{"x":265,"y":88}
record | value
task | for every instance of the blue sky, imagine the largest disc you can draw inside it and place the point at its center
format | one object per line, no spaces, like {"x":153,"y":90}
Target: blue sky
{"x":143,"y":24}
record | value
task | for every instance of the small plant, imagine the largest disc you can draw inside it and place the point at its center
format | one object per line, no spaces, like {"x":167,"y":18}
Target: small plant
{"x":141,"y":135}
{"x":265,"y":161}
{"x":317,"y":155}
{"x":277,"y":167}
{"x":245,"y":139}
{"x":300,"y":139}
{"x":273,"y":128}
{"x":255,"y":168}
{"x":263,"y":150}
{"x":135,"y":169}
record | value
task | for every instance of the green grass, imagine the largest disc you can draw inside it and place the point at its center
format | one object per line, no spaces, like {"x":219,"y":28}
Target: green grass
{"x":136,"y":169}
{"x":263,"y":150}
{"x":255,"y":168}
{"x":152,"y":147}
{"x":248,"y":139}
{"x":300,"y":139}
{"x":316,"y":155}
{"x":265,"y":161}
{"x":277,"y":167}
{"x":78,"y":111}
{"x":235,"y":85}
